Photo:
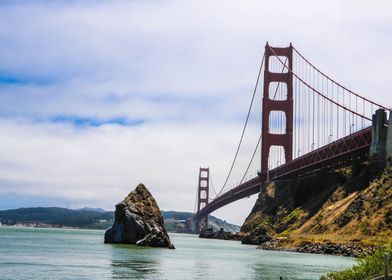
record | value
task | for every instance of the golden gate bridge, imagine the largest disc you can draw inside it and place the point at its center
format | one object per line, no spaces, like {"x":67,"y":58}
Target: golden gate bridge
{"x":310,"y":124}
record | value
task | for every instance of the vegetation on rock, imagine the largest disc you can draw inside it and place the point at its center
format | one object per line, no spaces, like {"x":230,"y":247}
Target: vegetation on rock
{"x":342,"y":207}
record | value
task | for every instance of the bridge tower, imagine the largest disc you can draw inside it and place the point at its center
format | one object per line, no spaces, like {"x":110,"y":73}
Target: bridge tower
{"x":202,"y":197}
{"x":284,"y":140}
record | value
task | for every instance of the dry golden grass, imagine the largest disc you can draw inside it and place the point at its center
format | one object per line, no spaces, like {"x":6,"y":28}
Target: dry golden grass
{"x":361,"y":217}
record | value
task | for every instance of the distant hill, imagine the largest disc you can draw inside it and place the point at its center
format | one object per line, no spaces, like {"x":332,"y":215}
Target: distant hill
{"x":92,"y":209}
{"x":92,"y":218}
{"x":58,"y":217}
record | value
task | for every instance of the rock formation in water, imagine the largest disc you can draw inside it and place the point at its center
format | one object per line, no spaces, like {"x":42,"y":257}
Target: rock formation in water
{"x":139,"y":221}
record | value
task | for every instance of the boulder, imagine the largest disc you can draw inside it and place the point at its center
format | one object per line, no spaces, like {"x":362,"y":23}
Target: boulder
{"x":256,"y":237}
{"x":139,"y":221}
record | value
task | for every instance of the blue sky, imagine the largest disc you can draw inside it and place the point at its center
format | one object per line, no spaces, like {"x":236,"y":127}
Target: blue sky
{"x":97,"y":96}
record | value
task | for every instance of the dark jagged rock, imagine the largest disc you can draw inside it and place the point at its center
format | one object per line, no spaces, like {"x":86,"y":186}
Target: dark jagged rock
{"x":256,"y":237}
{"x":139,"y":221}
{"x":207,"y":233}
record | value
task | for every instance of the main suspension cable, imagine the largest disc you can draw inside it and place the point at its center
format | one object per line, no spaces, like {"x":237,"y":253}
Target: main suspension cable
{"x":243,"y":130}
{"x":336,"y":83}
{"x":318,"y":92}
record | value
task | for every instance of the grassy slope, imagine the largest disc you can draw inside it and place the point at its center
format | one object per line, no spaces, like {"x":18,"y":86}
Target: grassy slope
{"x":364,"y":215}
{"x":333,"y":207}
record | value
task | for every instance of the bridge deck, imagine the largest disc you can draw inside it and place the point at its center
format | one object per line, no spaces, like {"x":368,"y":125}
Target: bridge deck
{"x":334,"y":155}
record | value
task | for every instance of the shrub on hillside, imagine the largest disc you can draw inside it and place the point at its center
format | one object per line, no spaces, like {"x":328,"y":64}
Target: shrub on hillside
{"x":367,"y":267}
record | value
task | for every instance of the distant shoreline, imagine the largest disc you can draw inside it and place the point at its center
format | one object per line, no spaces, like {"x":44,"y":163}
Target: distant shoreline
{"x":44,"y":227}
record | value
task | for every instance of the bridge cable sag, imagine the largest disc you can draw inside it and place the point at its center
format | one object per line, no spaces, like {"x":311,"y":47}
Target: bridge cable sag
{"x":318,"y":92}
{"x":336,"y":83}
{"x":243,"y":130}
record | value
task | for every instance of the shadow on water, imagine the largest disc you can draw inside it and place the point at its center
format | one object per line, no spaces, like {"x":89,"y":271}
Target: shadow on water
{"x":133,"y":269}
{"x":201,"y":269}
{"x":261,"y":272}
{"x":133,"y":262}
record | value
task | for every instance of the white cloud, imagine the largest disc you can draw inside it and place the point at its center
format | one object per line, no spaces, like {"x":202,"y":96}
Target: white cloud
{"x":186,"y":67}
{"x":102,"y":164}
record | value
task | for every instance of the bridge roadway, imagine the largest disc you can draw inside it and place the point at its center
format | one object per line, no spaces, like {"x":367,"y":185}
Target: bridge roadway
{"x":337,"y":154}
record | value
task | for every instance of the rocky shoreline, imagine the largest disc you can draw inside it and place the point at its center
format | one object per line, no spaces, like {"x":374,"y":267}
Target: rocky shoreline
{"x":265,"y":242}
{"x":350,"y":249}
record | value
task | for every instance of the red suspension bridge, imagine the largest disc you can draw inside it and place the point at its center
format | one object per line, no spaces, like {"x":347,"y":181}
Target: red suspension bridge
{"x":309,"y":124}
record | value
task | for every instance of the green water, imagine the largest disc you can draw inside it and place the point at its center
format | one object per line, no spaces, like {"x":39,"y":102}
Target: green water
{"x":30,"y":253}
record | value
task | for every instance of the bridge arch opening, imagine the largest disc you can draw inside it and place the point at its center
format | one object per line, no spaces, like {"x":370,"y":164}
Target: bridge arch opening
{"x":275,"y":65}
{"x":277,"y":122}
{"x":277,"y":91}
{"x":276,"y":156}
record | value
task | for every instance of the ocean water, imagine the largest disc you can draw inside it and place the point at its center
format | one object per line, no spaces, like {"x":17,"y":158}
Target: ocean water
{"x":33,"y":253}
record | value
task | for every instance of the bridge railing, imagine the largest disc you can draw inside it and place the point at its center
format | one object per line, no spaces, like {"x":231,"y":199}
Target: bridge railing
{"x":332,"y":155}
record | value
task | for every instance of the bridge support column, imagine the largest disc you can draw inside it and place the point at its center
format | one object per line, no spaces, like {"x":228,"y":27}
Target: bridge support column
{"x":355,"y":166}
{"x":379,"y":139}
{"x":389,"y":139}
{"x":269,"y":105}
{"x":202,"y":198}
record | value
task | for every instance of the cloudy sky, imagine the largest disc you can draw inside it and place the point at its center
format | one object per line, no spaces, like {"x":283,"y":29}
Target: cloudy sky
{"x":97,"y":96}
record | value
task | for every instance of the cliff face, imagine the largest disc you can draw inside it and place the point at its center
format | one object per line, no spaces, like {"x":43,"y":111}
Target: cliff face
{"x":138,"y":220}
{"x":341,"y":207}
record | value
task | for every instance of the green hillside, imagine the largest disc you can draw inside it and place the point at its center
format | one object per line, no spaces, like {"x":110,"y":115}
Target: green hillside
{"x":58,"y":217}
